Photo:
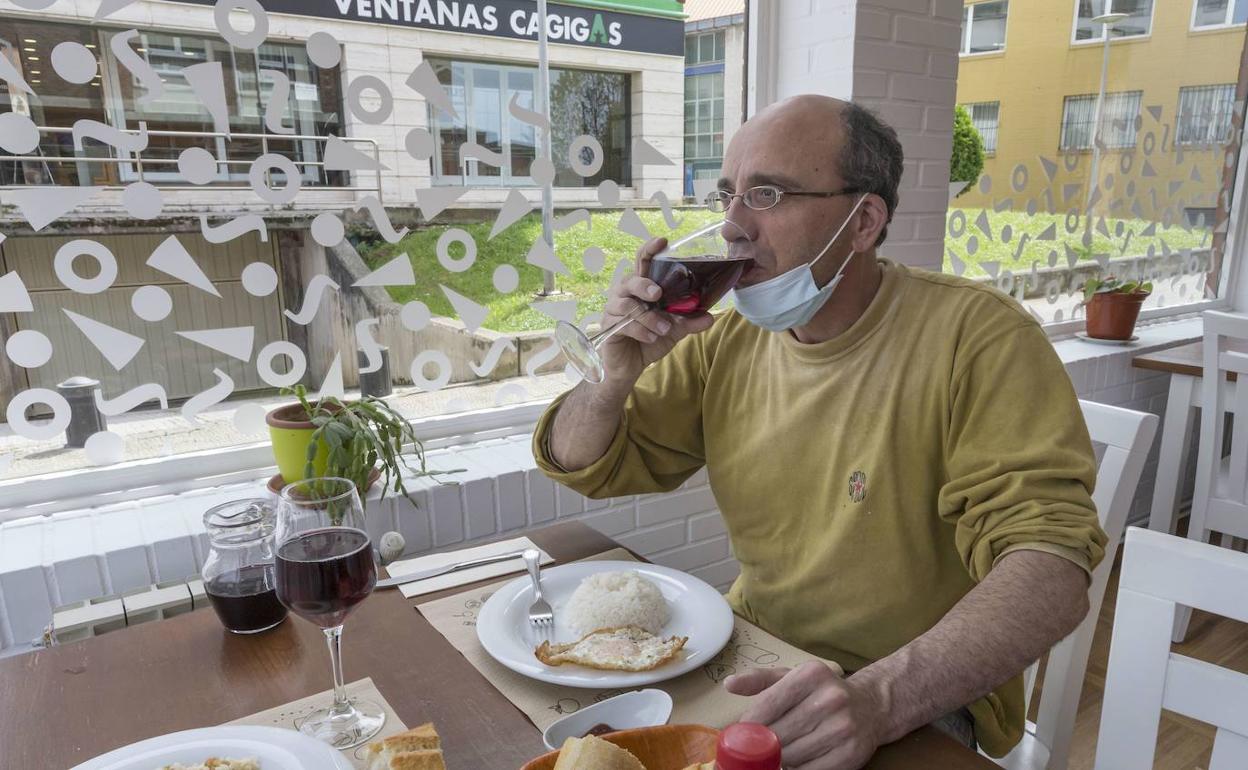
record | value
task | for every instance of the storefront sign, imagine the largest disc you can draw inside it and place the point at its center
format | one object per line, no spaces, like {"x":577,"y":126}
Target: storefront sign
{"x":500,"y":18}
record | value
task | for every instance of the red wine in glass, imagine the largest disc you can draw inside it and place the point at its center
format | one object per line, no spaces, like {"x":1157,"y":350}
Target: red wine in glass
{"x":245,"y":599}
{"x":694,"y":284}
{"x":323,"y":574}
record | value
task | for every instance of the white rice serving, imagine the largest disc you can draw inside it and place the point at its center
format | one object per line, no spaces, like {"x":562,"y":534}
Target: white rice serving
{"x":612,"y":599}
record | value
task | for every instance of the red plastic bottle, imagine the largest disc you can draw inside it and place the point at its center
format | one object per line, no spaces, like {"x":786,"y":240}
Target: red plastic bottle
{"x":746,"y":746}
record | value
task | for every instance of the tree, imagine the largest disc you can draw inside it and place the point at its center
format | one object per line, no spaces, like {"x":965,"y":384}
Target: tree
{"x":967,"y":161}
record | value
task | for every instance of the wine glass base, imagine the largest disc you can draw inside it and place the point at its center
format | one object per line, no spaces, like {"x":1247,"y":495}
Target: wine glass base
{"x":345,"y":729}
{"x":580,"y":352}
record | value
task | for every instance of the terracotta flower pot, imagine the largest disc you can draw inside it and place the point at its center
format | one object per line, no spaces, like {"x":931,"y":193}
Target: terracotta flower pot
{"x":1112,"y":315}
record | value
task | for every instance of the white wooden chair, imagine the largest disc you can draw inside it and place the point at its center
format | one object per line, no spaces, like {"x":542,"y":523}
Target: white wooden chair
{"x":1220,"y":498}
{"x":1126,"y":436}
{"x":1160,"y":572}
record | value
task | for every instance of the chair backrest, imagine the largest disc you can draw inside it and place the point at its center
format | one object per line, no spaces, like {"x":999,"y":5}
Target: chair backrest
{"x":1126,"y":436}
{"x":1226,"y":505}
{"x":1160,"y":571}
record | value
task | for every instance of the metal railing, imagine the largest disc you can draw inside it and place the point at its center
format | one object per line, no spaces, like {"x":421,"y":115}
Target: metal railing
{"x":139,"y":163}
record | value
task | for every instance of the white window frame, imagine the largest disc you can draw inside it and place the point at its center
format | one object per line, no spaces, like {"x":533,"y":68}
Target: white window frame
{"x":968,"y":28}
{"x":1100,"y":39}
{"x":149,"y":477}
{"x":1225,"y":24}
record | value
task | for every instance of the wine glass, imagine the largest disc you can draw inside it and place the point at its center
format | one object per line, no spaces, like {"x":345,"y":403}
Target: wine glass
{"x":325,"y":568}
{"x":694,"y":272}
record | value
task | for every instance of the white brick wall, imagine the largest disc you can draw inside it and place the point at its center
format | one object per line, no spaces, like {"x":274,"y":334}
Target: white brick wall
{"x":898,"y":57}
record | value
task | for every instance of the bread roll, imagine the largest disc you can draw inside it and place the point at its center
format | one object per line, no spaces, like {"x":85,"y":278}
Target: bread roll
{"x":417,"y":749}
{"x":593,"y":753}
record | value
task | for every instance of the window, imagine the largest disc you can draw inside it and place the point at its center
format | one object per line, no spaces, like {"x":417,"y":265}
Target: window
{"x":1139,"y":20}
{"x":704,"y":48}
{"x":1118,"y":120}
{"x":581,"y":102}
{"x":986,"y":116}
{"x":314,"y":100}
{"x":1205,"y":114}
{"x":983,"y":27}
{"x":704,"y":117}
{"x":1218,"y":13}
{"x":1138,"y":183}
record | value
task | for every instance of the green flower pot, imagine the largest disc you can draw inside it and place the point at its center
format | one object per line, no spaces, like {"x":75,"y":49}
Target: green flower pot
{"x":290,"y":432}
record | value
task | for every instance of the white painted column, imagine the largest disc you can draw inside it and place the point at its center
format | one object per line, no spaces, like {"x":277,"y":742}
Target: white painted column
{"x":896,"y":57}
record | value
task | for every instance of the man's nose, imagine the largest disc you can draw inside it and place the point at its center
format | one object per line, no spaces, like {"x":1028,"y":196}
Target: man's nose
{"x":739,"y":224}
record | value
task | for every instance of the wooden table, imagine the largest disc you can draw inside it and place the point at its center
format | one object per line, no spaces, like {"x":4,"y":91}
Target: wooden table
{"x":1185,"y":364}
{"x":67,"y":704}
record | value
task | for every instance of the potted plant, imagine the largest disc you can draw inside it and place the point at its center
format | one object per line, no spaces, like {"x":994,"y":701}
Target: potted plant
{"x":348,"y":439}
{"x":1113,"y":306}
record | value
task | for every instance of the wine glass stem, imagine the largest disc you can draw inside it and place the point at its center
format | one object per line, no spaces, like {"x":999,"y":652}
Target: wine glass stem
{"x":610,"y":331}
{"x":333,"y":636}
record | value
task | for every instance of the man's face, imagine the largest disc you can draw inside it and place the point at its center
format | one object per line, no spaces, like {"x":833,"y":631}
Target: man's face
{"x":794,"y":148}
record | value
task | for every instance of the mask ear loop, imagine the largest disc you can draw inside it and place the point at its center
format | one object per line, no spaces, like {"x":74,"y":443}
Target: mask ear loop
{"x":839,"y":230}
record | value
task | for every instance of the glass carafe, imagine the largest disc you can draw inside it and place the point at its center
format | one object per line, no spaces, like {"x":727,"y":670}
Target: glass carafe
{"x":238,"y":573}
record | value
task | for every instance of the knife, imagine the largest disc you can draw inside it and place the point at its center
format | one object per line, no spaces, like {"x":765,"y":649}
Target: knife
{"x":446,"y":569}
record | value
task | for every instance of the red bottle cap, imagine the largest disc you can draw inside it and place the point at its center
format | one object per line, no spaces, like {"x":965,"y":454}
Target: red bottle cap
{"x":746,"y":746}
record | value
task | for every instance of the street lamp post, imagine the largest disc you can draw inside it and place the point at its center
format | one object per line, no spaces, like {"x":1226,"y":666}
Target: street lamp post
{"x":543,"y":92}
{"x":1107,"y":22}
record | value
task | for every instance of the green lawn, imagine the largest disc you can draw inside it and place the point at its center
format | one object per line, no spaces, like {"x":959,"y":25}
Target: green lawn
{"x":511,"y":312}
{"x":998,"y":249}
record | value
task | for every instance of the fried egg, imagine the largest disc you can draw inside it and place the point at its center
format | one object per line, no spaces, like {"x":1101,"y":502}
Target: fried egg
{"x":627,"y":648}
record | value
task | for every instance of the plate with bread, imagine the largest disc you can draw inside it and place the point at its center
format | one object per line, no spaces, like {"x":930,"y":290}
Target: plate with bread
{"x":229,"y":747}
{"x":617,"y":624}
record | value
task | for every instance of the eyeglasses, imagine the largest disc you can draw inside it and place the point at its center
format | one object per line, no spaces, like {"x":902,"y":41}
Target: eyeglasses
{"x":763,"y":197}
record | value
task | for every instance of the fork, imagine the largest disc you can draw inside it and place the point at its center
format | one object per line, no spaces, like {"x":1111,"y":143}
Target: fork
{"x":541,"y":616}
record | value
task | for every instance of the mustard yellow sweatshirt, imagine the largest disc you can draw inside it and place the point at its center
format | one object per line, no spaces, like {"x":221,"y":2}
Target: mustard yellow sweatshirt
{"x":870,"y":481}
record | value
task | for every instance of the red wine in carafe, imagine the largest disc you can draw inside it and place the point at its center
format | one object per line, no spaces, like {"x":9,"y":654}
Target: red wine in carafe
{"x":694,"y":284}
{"x":246,"y":599}
{"x":324,"y":573}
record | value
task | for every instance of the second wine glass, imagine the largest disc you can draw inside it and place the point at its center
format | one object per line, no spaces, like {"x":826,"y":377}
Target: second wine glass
{"x":324,"y":570}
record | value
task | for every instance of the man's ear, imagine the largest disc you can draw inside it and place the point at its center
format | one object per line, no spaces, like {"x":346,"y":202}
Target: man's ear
{"x":872,"y":218}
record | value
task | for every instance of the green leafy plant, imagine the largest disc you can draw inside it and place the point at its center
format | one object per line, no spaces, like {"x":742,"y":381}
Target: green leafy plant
{"x":358,"y":436}
{"x":1111,"y":285}
{"x":967,"y":161}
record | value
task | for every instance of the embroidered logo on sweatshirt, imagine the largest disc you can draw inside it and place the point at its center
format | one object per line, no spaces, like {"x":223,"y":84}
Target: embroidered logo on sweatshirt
{"x":857,"y":486}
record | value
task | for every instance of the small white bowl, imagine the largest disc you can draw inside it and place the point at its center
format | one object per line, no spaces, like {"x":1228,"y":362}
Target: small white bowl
{"x":642,"y":708}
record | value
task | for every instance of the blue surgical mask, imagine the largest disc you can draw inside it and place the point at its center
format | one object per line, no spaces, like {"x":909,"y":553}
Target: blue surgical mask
{"x":792,"y":298}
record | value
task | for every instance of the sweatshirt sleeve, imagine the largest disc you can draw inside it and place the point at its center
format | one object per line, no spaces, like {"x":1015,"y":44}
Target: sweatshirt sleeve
{"x":1019,"y":460}
{"x":658,"y":444}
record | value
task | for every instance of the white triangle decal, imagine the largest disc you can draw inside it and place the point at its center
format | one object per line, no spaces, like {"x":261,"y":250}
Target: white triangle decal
{"x":118,"y":347}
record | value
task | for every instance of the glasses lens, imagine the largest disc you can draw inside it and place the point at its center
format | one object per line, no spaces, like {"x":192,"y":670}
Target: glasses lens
{"x":717,"y":201}
{"x":762,"y":197}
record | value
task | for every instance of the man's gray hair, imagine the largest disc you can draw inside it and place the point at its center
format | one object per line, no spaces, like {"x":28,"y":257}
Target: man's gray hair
{"x":871,"y":161}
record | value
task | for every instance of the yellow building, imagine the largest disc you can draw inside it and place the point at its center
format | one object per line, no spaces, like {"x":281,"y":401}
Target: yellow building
{"x":1030,"y":72}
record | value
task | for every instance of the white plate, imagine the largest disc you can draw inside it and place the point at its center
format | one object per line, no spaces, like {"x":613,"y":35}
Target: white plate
{"x":698,"y":612}
{"x":1083,"y":336}
{"x":274,"y":748}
